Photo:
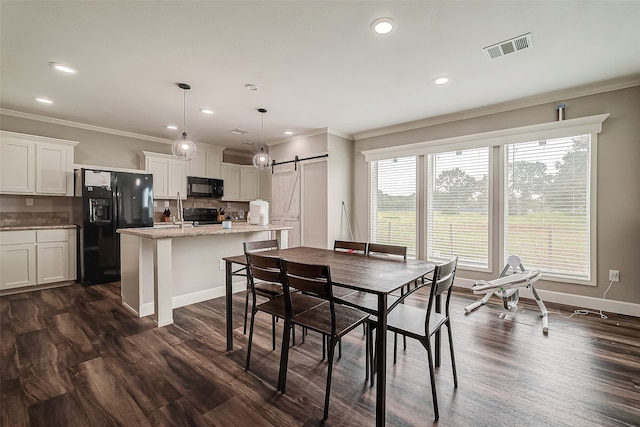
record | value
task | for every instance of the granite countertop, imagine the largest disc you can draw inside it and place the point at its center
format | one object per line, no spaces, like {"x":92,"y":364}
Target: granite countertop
{"x":36,"y":227}
{"x":173,"y":231}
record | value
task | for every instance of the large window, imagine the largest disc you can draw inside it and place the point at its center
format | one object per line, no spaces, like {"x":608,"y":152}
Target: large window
{"x":393,"y":202}
{"x":526,"y":191}
{"x":547,"y":204}
{"x":458,"y":206}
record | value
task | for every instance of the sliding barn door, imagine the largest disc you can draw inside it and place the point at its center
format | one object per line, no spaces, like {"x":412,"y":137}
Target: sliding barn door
{"x":285,"y":200}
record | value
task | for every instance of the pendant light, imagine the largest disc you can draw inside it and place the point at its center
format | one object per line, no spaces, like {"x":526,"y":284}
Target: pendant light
{"x":262,"y":160}
{"x":183,"y":148}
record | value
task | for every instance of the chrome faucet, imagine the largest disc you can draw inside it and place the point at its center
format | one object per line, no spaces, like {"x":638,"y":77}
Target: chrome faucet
{"x":180,"y":215}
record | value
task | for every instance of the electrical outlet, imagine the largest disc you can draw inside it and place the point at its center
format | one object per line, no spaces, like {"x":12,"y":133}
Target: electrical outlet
{"x":222,"y":264}
{"x":614,"y":275}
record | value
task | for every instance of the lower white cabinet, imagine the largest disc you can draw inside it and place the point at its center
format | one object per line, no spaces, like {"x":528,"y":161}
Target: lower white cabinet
{"x":37,"y":257}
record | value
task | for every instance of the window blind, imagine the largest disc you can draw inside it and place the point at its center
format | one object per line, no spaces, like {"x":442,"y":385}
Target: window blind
{"x":393,"y":202}
{"x":547,"y":205}
{"x":458,"y":206}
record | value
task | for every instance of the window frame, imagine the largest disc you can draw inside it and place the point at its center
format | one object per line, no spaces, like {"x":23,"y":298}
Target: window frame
{"x":496,"y":140}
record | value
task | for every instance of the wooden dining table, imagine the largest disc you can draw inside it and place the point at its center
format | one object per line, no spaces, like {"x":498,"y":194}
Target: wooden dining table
{"x":371,"y":274}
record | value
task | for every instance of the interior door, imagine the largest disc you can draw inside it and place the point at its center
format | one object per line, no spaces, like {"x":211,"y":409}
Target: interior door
{"x":285,"y":200}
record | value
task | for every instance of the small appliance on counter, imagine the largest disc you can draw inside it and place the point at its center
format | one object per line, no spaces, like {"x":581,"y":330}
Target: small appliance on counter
{"x":259,"y":212}
{"x":201,"y":216}
{"x":109,"y":200}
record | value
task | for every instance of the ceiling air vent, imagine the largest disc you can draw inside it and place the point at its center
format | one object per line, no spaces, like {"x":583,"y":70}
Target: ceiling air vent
{"x":238,"y":131}
{"x":506,"y":47}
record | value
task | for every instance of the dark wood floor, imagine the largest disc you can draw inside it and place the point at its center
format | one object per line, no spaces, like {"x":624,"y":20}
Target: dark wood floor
{"x":74,"y":356}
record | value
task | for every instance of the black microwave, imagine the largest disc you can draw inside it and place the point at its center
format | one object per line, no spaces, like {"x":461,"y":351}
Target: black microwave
{"x":204,"y":187}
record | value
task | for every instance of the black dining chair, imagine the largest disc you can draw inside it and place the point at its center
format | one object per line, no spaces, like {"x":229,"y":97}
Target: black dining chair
{"x":422,"y":323}
{"x":269,"y":269}
{"x":330,"y":319}
{"x":369,"y":302}
{"x":261,"y":288}
{"x":349,"y":246}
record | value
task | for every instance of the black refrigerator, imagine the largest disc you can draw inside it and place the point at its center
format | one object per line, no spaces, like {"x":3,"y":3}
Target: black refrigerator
{"x":109,"y":201}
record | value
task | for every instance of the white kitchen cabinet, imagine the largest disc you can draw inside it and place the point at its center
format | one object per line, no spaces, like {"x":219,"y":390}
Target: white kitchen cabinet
{"x":53,"y":250}
{"x":265,"y":184}
{"x":231,"y":181}
{"x":249,"y":183}
{"x":34,"y":164}
{"x":241,"y":182}
{"x":18,"y":259}
{"x":169,"y":174}
{"x":37,"y":257}
{"x":206,"y":164}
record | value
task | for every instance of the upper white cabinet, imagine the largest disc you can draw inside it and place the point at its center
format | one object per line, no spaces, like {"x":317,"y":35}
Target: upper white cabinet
{"x":231,"y":181}
{"x":169,"y":174}
{"x":34,"y":164}
{"x":206,"y":164}
{"x":249,"y":183}
{"x":243,"y":183}
{"x":265,"y":184}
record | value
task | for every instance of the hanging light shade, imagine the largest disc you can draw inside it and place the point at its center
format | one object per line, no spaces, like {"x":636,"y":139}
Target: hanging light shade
{"x":262,"y":160}
{"x":184,"y":148}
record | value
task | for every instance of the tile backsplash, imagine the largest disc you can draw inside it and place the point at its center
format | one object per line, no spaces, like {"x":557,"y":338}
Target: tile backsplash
{"x":29,"y":219}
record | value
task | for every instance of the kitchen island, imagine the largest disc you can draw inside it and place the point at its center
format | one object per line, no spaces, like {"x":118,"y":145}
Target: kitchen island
{"x":163,"y":268}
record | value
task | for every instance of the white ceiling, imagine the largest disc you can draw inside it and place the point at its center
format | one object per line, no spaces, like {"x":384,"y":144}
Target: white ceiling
{"x":317,"y":64}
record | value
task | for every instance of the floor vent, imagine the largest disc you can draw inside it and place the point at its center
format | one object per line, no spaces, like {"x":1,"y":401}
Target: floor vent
{"x":506,"y":47}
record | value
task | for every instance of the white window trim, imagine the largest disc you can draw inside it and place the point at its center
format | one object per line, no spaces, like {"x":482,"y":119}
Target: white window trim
{"x":558,"y":129}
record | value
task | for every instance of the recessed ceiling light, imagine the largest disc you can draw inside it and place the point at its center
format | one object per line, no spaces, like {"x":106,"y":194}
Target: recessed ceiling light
{"x":383,"y":25}
{"x":288,"y":132}
{"x":440,"y":80}
{"x":250,"y":86}
{"x":64,"y":68}
{"x":206,"y":111}
{"x":44,"y":100}
{"x":172,"y":127}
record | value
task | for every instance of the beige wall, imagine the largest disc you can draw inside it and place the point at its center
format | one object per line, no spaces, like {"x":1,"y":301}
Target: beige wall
{"x":618,"y":181}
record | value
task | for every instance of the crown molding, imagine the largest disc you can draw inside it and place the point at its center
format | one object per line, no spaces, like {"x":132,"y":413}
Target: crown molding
{"x":555,"y":96}
{"x":83,"y":126}
{"x":313,"y":132}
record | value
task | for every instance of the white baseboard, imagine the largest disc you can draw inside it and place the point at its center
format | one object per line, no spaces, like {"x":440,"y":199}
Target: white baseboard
{"x":578,"y":301}
{"x":131,"y":309}
{"x":148,"y":308}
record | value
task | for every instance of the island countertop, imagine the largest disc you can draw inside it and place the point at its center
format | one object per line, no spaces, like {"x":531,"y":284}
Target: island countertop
{"x":171,"y":232}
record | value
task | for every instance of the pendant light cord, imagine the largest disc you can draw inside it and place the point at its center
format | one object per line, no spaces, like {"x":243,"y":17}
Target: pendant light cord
{"x":184,"y":112}
{"x":262,"y":144}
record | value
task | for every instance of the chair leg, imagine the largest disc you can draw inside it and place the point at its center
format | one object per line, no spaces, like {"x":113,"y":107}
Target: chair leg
{"x":253,"y":318}
{"x":366,"y":351}
{"x":324,"y":346}
{"x":339,"y":348}
{"x":437,"y":347}
{"x":427,"y":344}
{"x":246,"y":310}
{"x":372,"y":354}
{"x":332,"y":344}
{"x":284,"y":356}
{"x":395,"y":348}
{"x":453,"y":359}
{"x":273,"y":332}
